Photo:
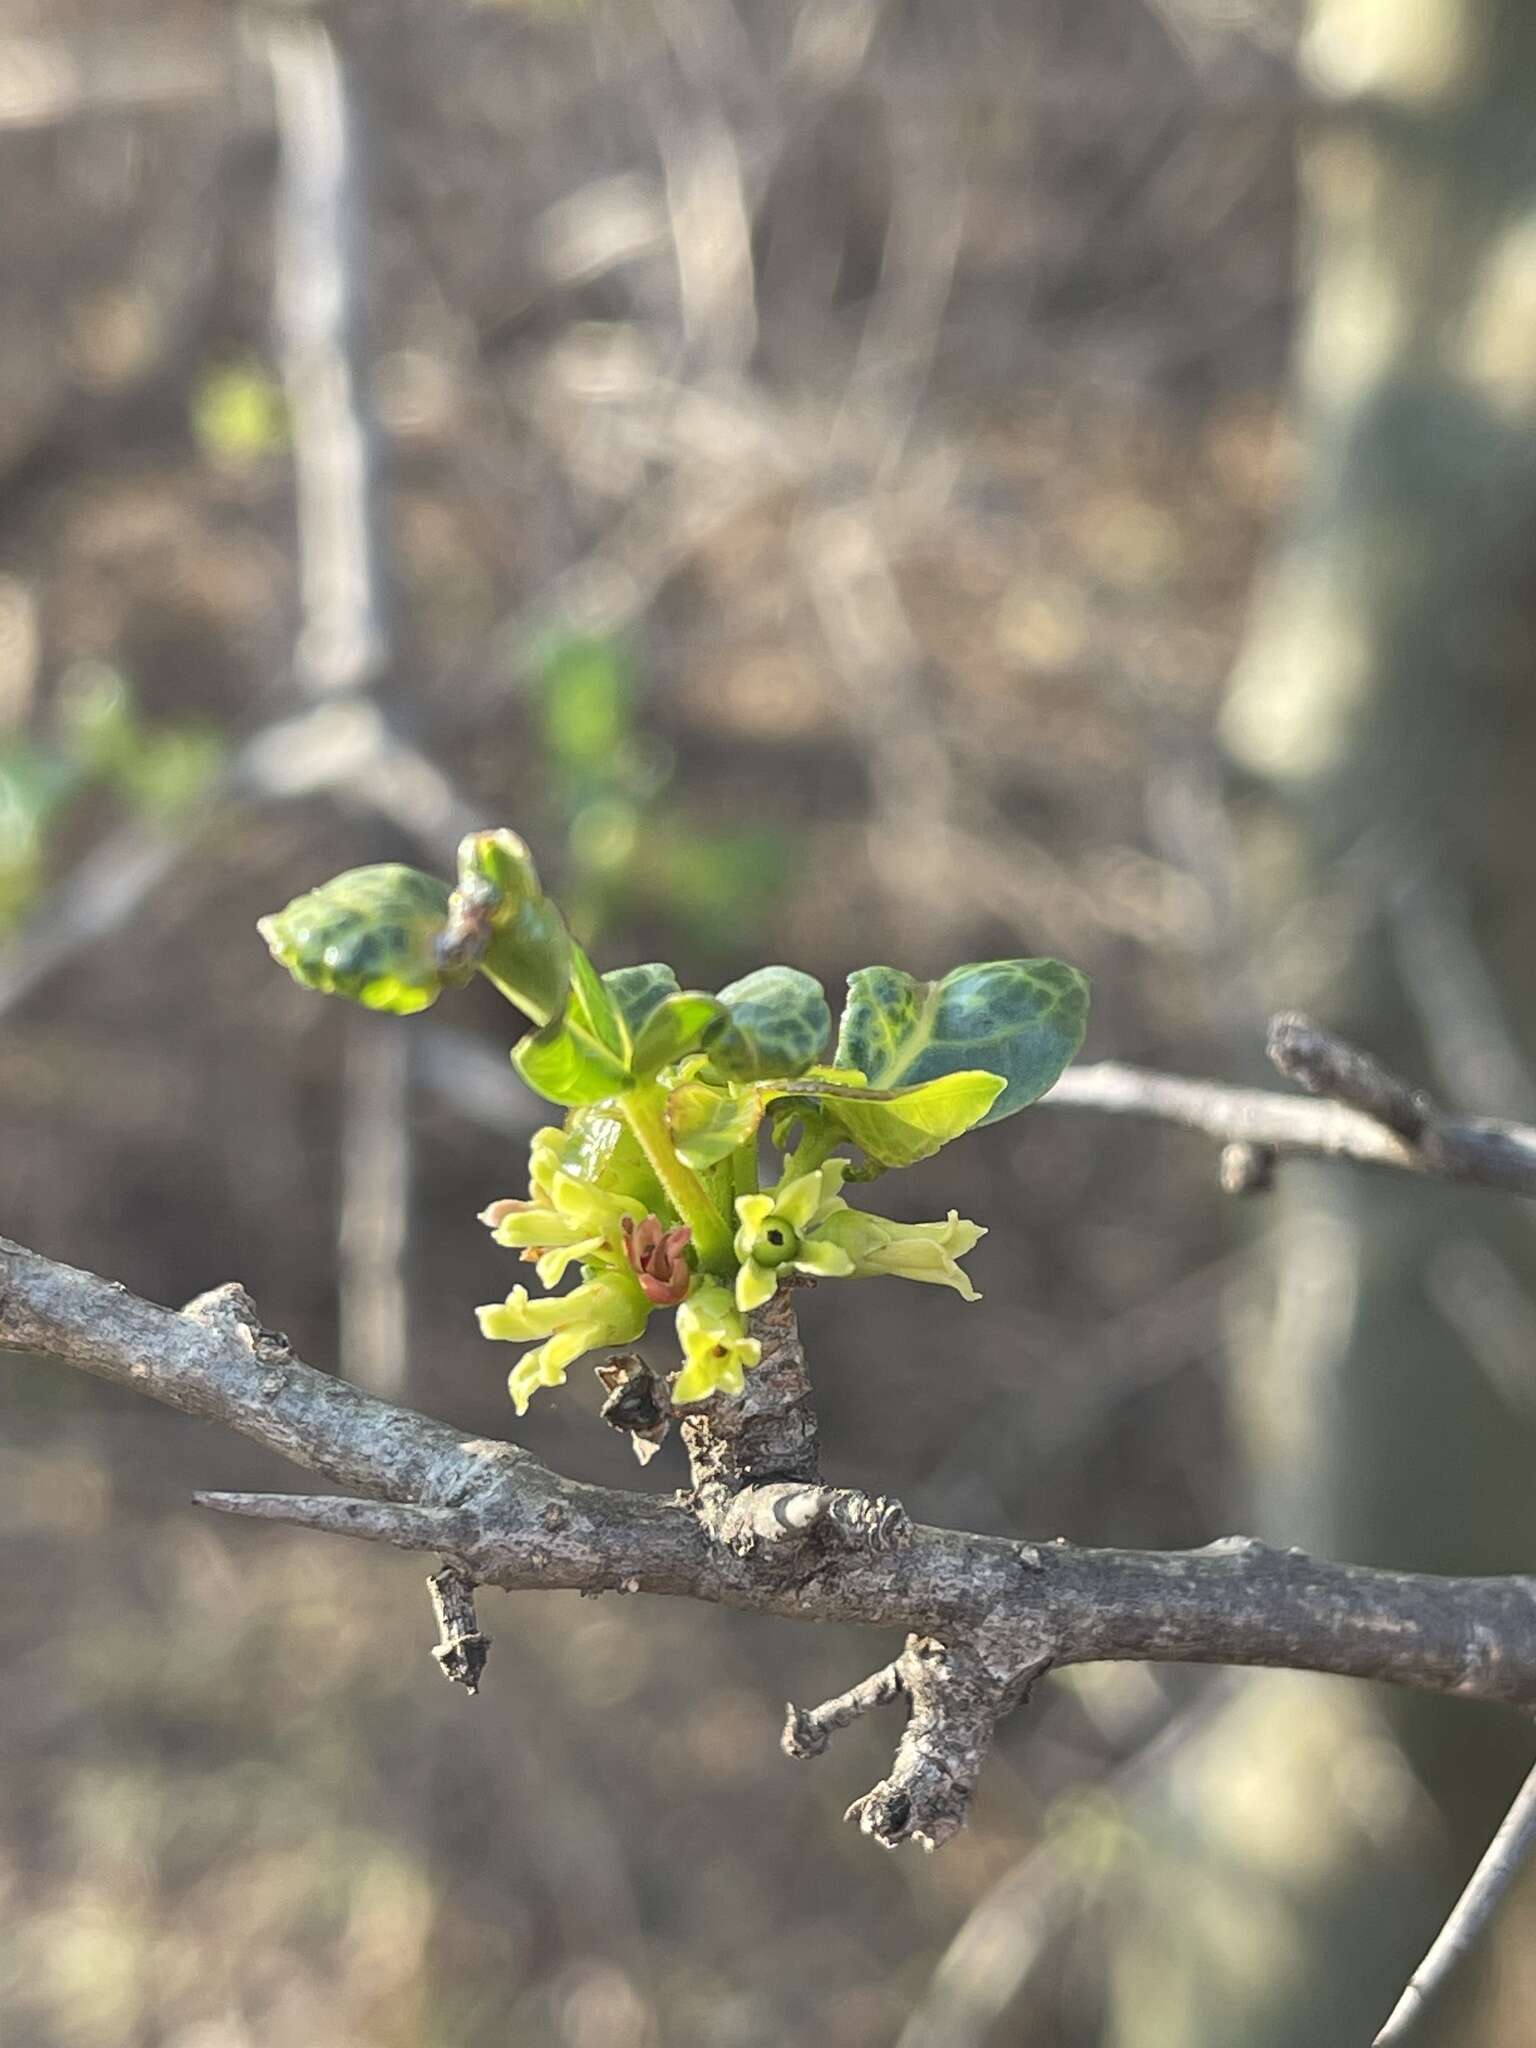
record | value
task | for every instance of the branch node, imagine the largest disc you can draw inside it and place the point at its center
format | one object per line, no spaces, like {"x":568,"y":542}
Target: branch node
{"x":784,"y":1513}
{"x":461,"y":1648}
{"x":229,"y":1307}
{"x":956,"y":1703}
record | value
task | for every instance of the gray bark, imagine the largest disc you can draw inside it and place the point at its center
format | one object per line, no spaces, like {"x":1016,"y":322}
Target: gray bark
{"x":985,"y":1616}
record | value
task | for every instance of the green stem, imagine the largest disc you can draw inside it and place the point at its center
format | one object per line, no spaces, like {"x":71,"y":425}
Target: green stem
{"x":814,"y":1149}
{"x":744,"y":1168}
{"x":642,"y":1110}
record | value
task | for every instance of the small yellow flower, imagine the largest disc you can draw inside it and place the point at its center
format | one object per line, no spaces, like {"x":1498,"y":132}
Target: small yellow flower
{"x":609,"y":1308}
{"x":716,"y":1348}
{"x":785,"y":1228}
{"x":910,"y":1251}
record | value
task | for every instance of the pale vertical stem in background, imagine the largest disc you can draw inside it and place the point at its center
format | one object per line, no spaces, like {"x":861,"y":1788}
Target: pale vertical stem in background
{"x":343,"y":642}
{"x":1507,"y":1855}
{"x":375,"y":1205}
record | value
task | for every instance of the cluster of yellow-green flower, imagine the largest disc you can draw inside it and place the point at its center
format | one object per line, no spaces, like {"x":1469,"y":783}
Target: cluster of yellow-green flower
{"x":651,"y":1186}
{"x":635,"y":1260}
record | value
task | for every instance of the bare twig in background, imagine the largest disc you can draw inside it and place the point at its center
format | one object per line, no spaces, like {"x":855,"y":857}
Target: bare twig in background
{"x":344,"y":745}
{"x":343,"y":643}
{"x":1328,"y":1066}
{"x":373,"y":1224}
{"x":1373,"y":1117}
{"x":45,"y":80}
{"x":1506,"y":1856}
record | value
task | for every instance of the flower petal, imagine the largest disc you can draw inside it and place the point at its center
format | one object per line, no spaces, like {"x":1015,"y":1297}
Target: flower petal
{"x":798,"y":1200}
{"x":822,"y":1259}
{"x":755,"y":1284}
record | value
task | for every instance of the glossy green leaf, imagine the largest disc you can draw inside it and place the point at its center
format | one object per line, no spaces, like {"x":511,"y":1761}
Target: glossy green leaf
{"x":593,"y":1006}
{"x":637,"y":990}
{"x":707,"y":1125}
{"x":1021,"y":1019}
{"x":564,"y":1063}
{"x":676,"y":1025}
{"x":371,"y":934}
{"x":901,"y":1126}
{"x":776,"y":1023}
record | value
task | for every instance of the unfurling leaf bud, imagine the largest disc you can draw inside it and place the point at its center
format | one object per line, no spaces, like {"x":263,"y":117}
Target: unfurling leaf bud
{"x":370,"y":934}
{"x":500,"y":920}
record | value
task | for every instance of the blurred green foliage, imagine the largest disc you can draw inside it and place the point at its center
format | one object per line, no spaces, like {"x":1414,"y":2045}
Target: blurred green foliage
{"x":239,"y":414}
{"x":100,"y":743}
{"x":628,"y":847}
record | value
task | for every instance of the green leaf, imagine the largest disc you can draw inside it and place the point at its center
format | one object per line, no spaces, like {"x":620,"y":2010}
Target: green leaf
{"x":1021,"y":1019}
{"x":370,"y":934}
{"x":775,"y":1024}
{"x":564,"y":1063}
{"x":637,"y":990}
{"x":593,"y":1006}
{"x":897,"y":1127}
{"x":676,"y":1025}
{"x":707,"y":1125}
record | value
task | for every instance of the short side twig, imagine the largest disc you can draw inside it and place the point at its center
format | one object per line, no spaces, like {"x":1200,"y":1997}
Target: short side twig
{"x":403,"y":1523}
{"x":957,"y":1702}
{"x":1326,"y":1065}
{"x":462,"y":1647}
{"x":808,"y":1730}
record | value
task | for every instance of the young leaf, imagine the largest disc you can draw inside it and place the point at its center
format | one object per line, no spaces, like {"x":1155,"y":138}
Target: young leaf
{"x":637,"y":990}
{"x":707,"y":1126}
{"x":676,"y":1025}
{"x":593,"y":1006}
{"x":371,"y":934}
{"x":1021,"y":1019}
{"x":564,"y":1063}
{"x":898,"y":1127}
{"x":775,"y":1024}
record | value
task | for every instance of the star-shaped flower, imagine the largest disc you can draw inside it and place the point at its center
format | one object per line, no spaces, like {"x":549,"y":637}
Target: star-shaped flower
{"x":608,"y":1308}
{"x":785,"y":1228}
{"x":716,"y":1348}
